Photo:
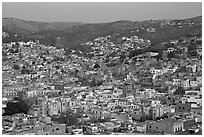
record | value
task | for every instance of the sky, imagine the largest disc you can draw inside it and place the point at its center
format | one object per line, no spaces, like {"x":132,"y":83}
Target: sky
{"x":100,"y":12}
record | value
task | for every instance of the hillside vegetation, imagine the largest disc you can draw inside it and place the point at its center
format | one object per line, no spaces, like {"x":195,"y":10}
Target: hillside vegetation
{"x":71,"y":35}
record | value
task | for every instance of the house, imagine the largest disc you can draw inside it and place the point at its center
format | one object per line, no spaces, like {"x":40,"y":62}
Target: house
{"x":146,"y":102}
{"x":196,"y":110}
{"x":170,"y":49}
{"x":117,"y":102}
{"x":188,"y":122}
{"x":117,"y":92}
{"x":123,"y":117}
{"x":151,"y":30}
{"x":199,"y":80}
{"x":185,"y":84}
{"x":198,"y":118}
{"x":194,"y":99}
{"x":59,"y":87}
{"x":35,"y":110}
{"x":166,"y":126}
{"x":128,"y":86}
{"x":192,"y":92}
{"x":142,"y":127}
{"x":56,"y":106}
{"x":156,"y":71}
{"x":146,"y":110}
{"x":53,"y":129}
{"x":110,"y":126}
{"x":92,"y":129}
{"x":10,"y":92}
{"x":167,"y":100}
{"x":177,"y":82}
{"x":156,"y":111}
{"x":183,"y":108}
{"x":99,"y":113}
{"x":193,"y":83}
{"x":199,"y":51}
{"x":150,"y":102}
{"x":168,"y":109}
{"x":32,"y":93}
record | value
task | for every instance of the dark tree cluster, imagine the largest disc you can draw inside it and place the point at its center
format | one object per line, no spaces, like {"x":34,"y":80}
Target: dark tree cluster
{"x":16,"y":106}
{"x":70,"y":118}
{"x":179,"y":91}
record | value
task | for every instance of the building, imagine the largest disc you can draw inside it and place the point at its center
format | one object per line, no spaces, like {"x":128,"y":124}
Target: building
{"x":196,"y":110}
{"x":166,"y":126}
{"x":110,"y":126}
{"x":142,"y":127}
{"x":193,"y":83}
{"x":199,"y":80}
{"x":185,"y":84}
{"x":188,"y":122}
{"x":53,"y":129}
{"x":55,"y":106}
{"x":156,"y":111}
{"x":183,"y":108}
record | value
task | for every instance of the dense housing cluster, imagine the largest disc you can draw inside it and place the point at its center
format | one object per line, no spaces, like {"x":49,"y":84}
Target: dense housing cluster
{"x":104,"y":91}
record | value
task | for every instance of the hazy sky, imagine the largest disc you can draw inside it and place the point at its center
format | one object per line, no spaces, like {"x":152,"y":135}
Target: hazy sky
{"x":100,"y":12}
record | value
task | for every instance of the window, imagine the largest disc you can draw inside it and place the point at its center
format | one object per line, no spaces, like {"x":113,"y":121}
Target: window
{"x":157,"y":128}
{"x":53,"y":130}
{"x":57,"y":129}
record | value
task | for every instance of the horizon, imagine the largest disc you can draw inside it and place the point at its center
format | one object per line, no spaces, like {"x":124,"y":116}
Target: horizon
{"x":96,"y":22}
{"x":93,"y":12}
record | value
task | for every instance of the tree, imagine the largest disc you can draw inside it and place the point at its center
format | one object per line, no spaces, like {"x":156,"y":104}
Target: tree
{"x":69,"y":118}
{"x":16,"y":106}
{"x":192,"y":49}
{"x":144,"y":118}
{"x":31,"y":101}
{"x":159,"y":56}
{"x":179,"y":91}
{"x":16,"y":67}
{"x":171,"y":55}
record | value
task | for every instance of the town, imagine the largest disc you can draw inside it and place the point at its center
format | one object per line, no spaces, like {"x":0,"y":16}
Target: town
{"x":110,"y":90}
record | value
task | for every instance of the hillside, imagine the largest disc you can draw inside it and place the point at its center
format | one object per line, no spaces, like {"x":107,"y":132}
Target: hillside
{"x":71,"y":35}
{"x":26,"y":27}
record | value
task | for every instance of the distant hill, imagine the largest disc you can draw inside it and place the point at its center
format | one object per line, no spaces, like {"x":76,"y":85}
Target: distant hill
{"x":71,"y":35}
{"x":25,"y":27}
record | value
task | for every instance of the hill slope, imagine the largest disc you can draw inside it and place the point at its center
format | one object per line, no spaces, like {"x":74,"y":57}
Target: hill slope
{"x":71,"y":35}
{"x":26,"y":27}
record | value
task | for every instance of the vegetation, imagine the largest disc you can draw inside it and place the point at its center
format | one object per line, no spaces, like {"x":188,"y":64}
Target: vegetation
{"x":16,"y":106}
{"x":179,"y":91}
{"x":72,"y":37}
{"x":69,"y":118}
